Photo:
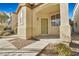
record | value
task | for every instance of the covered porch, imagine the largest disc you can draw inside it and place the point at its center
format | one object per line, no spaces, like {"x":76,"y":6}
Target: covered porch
{"x":46,"y":21}
{"x":50,"y":21}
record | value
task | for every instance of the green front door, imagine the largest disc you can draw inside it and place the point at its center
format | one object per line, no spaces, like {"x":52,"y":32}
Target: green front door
{"x":44,"y":26}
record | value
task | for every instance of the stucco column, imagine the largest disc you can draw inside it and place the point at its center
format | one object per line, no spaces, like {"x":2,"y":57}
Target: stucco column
{"x":34,"y":23}
{"x":65,"y":32}
{"x":29,"y":23}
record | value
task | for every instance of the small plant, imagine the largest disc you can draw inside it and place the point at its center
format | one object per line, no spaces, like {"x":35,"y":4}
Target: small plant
{"x":15,"y":30}
{"x":2,"y":27}
{"x":1,"y":33}
{"x":63,"y":49}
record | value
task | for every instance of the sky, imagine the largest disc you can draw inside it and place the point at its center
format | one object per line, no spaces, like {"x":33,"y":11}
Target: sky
{"x":71,"y":9}
{"x":12,"y":7}
{"x":8,"y":7}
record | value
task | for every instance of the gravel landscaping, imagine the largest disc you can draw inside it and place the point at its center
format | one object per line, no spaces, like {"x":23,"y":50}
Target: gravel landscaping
{"x":54,"y":50}
{"x":48,"y":51}
{"x":20,"y":43}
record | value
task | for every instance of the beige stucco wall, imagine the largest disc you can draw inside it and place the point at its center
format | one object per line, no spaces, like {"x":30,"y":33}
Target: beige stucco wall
{"x":52,"y":30}
{"x":25,"y":29}
{"x":22,"y":23}
{"x":76,"y":18}
{"x":78,"y":25}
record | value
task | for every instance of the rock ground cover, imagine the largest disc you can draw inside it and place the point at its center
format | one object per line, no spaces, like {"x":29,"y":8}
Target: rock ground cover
{"x":20,"y":43}
{"x":56,"y":50}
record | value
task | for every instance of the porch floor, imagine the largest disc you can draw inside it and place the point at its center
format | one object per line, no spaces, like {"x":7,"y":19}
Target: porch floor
{"x":47,"y":37}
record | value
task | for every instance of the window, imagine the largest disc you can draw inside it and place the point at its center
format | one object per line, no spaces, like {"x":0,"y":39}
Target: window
{"x":58,"y":16}
{"x":22,"y":17}
{"x":55,"y":20}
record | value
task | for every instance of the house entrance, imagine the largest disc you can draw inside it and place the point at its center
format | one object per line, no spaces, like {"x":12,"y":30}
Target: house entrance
{"x":44,"y":26}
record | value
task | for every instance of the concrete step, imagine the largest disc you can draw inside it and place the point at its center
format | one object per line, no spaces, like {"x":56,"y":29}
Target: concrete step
{"x":75,"y":41}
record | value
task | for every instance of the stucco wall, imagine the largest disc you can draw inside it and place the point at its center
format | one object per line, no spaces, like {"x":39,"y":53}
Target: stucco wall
{"x":78,"y":25}
{"x":76,"y":18}
{"x":22,"y":23}
{"x":25,"y":26}
{"x":52,"y":30}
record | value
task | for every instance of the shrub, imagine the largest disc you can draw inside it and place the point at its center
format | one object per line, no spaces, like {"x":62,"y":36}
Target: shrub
{"x":2,"y":27}
{"x":63,"y":49}
{"x":15,"y":30}
{"x":1,"y":33}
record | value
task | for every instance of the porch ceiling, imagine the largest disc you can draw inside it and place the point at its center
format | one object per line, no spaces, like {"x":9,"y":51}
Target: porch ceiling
{"x":50,"y":9}
{"x":33,"y":5}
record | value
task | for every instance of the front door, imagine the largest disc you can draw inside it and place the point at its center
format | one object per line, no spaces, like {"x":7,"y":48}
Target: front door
{"x":44,"y":26}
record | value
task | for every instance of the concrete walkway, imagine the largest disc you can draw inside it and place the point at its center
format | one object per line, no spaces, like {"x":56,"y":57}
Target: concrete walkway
{"x":30,"y":50}
{"x":5,"y":45}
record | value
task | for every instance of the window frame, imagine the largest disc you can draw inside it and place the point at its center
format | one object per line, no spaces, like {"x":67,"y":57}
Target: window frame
{"x":54,"y":19}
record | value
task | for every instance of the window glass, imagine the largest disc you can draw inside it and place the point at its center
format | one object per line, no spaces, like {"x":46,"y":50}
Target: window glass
{"x":57,"y":16}
{"x":55,"y":20}
{"x":22,"y":17}
{"x":53,"y":17}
